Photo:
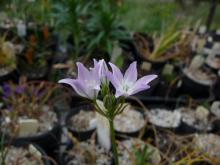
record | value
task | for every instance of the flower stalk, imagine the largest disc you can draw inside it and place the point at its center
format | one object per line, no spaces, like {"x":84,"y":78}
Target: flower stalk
{"x":114,"y":145}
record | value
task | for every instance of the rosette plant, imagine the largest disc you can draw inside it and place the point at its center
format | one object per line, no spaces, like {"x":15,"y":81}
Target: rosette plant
{"x":94,"y":81}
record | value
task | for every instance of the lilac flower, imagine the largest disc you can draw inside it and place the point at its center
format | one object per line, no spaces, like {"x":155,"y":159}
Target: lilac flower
{"x":87,"y":83}
{"x":128,"y":84}
{"x":103,"y":70}
{"x":19,"y":89}
{"x":7,"y":91}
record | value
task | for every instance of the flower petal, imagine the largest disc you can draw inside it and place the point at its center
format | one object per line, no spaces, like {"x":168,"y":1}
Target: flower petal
{"x":117,"y":75}
{"x":83,"y":72}
{"x":75,"y":85}
{"x":120,"y":93}
{"x":145,"y":80}
{"x":131,"y":73}
{"x":138,"y":89}
{"x":142,"y":84}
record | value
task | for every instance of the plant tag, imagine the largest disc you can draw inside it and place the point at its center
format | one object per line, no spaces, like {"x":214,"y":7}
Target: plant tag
{"x":202,"y":29}
{"x":168,"y":69}
{"x":21,"y":29}
{"x":32,"y":149}
{"x":116,"y":52}
{"x":146,"y":66}
{"x":103,"y":132}
{"x":202,"y":112}
{"x":92,"y":123}
{"x":210,"y":39}
{"x":28,"y":126}
{"x":200,"y":45}
{"x":197,"y":62}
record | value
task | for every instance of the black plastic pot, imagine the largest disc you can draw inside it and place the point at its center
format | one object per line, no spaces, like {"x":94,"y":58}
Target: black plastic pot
{"x":49,"y":141}
{"x":193,"y":88}
{"x":12,"y":76}
{"x":124,"y":135}
{"x":216,"y":88}
{"x":216,"y":126}
{"x":63,"y":157}
{"x":40,"y":74}
{"x":46,"y":161}
{"x":80,"y":135}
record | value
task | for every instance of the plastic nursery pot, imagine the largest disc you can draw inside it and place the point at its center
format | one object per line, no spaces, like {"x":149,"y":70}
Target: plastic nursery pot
{"x":45,"y":158}
{"x":40,"y":74}
{"x":32,"y":73}
{"x":86,"y":152}
{"x":8,"y":31}
{"x":123,"y":134}
{"x":190,"y":124}
{"x":216,"y":126}
{"x":193,"y":88}
{"x":12,"y":76}
{"x":216,"y":88}
{"x":163,"y":118}
{"x":83,"y":134}
{"x":49,"y":140}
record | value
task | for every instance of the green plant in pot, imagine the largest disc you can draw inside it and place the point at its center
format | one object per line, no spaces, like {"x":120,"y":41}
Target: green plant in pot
{"x":70,"y":17}
{"x":28,"y":114}
{"x":35,"y":59}
{"x":173,"y":43}
{"x":104,"y":29}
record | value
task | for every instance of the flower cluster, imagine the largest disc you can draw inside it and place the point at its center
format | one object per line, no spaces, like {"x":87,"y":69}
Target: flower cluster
{"x":89,"y":81}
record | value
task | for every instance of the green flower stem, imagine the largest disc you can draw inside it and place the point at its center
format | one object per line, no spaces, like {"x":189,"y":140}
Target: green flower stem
{"x":114,"y":147}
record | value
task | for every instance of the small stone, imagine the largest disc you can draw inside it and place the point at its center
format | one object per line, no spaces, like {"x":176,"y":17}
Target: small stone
{"x":197,"y":62}
{"x":215,"y":108}
{"x":202,"y":112}
{"x":168,"y":69}
{"x":208,"y":143}
{"x":146,"y":66}
{"x":34,"y":151}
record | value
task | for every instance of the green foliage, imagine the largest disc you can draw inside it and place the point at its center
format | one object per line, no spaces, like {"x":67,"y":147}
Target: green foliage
{"x":70,"y":16}
{"x":104,"y":27}
{"x":39,"y":11}
{"x":143,"y":155}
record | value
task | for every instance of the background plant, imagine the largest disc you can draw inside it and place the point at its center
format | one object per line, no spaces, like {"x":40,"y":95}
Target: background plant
{"x":70,"y":18}
{"x":27,"y":98}
{"x":104,"y":27}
